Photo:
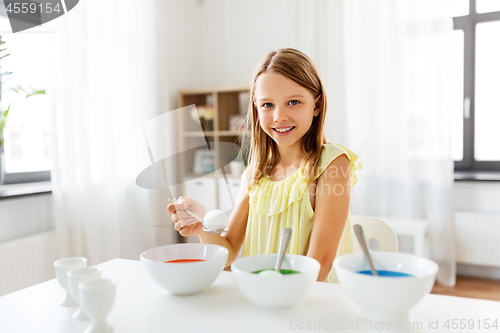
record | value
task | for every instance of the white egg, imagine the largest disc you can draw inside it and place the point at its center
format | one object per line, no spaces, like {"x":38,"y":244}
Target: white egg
{"x":215,"y":219}
{"x":270,"y":272}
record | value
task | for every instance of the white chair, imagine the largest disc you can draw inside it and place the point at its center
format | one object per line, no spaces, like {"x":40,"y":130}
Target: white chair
{"x":375,"y":228}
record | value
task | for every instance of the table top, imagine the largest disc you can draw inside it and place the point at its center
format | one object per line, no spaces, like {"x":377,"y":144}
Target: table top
{"x":142,"y":306}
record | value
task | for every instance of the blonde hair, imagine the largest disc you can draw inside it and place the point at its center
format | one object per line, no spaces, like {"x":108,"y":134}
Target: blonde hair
{"x":262,"y":151}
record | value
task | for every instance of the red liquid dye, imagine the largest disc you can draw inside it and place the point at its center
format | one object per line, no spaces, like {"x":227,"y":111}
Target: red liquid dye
{"x":183,"y":260}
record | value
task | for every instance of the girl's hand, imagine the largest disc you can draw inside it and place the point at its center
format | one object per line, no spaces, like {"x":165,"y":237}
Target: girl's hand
{"x":185,"y":224}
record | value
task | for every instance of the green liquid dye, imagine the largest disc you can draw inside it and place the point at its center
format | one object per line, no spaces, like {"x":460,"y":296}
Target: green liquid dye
{"x":282,"y":271}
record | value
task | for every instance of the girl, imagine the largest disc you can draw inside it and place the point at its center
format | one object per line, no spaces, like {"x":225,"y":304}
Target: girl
{"x":295,"y":179}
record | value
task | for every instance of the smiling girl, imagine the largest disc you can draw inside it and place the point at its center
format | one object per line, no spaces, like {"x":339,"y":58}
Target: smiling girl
{"x":295,"y":179}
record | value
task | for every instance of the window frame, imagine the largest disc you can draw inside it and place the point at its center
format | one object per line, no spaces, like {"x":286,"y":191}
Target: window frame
{"x":26,"y":177}
{"x":468,"y":24}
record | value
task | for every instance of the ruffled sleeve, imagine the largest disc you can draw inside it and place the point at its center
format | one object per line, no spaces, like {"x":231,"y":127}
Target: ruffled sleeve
{"x":333,"y":150}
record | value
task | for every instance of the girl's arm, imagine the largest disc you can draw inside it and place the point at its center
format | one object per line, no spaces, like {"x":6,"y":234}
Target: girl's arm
{"x":232,"y":239}
{"x":331,"y":210}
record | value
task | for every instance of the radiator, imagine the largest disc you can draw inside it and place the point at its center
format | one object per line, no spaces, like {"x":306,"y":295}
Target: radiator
{"x":478,"y":238}
{"x":27,"y":261}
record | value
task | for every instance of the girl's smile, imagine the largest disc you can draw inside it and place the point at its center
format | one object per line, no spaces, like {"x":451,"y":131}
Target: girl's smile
{"x":283,"y":130}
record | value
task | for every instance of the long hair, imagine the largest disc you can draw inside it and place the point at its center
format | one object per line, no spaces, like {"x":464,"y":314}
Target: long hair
{"x":262,"y":151}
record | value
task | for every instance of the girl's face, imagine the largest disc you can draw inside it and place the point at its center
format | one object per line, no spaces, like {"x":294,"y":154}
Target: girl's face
{"x":285,"y":109}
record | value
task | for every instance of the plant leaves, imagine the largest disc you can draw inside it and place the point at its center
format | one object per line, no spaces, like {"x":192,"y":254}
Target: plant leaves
{"x":4,"y":120}
{"x":36,"y":92}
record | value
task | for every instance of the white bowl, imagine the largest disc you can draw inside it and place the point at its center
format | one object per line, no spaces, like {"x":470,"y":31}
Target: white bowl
{"x":384,"y":297}
{"x":275,"y":292}
{"x":185,"y":278}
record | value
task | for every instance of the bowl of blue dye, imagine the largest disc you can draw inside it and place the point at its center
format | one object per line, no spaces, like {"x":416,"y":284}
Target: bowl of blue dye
{"x":403,"y":281}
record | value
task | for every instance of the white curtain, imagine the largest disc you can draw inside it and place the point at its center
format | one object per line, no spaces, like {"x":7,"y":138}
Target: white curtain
{"x":386,"y":68}
{"x":317,"y":29}
{"x":106,"y":84}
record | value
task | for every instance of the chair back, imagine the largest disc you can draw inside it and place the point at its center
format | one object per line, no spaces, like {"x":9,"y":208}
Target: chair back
{"x":375,"y":228}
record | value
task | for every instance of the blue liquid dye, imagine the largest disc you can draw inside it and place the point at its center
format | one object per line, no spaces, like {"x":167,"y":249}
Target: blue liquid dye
{"x":386,"y":273}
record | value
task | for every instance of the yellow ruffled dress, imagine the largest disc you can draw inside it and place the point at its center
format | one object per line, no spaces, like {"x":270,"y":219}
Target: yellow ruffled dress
{"x":275,"y":205}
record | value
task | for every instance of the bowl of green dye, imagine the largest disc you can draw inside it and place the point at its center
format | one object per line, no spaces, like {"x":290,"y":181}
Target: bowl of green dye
{"x":403,"y":281}
{"x":275,"y":292}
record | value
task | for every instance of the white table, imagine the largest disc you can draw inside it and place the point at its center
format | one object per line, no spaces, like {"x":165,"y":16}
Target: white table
{"x":142,"y":307}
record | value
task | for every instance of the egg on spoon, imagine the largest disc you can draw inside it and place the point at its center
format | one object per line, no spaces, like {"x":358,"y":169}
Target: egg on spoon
{"x":215,"y":220}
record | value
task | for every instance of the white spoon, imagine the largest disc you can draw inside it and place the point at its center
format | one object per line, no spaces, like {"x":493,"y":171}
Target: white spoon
{"x":358,"y":230}
{"x":286,"y":234}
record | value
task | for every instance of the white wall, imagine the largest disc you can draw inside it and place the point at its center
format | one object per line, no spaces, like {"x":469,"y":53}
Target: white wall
{"x":236,"y":35}
{"x":178,"y":58}
{"x":25,"y":216}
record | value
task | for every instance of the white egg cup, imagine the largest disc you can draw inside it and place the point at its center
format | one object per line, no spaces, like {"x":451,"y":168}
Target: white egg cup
{"x":97,"y":298}
{"x":76,"y":276}
{"x":62,"y":266}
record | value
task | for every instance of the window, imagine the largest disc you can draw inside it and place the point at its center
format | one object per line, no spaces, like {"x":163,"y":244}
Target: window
{"x":15,"y":148}
{"x":476,"y":85}
{"x":27,"y":131}
{"x":46,"y":146}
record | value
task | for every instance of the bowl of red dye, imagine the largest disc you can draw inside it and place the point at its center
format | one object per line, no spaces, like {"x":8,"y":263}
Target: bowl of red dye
{"x":185,"y":269}
{"x":404,"y":279}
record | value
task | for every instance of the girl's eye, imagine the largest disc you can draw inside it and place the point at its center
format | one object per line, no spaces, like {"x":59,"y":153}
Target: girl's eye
{"x":294,"y":102}
{"x":267,"y":105}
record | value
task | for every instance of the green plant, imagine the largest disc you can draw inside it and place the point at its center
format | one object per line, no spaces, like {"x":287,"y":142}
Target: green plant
{"x":4,"y":113}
